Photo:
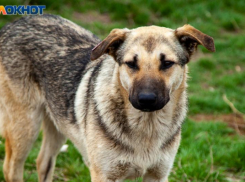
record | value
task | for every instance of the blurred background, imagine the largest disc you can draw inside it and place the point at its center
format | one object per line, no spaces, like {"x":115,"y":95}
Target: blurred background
{"x":213,"y":140}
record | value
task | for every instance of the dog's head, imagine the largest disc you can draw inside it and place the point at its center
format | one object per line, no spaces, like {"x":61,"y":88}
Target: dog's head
{"x":152,"y":60}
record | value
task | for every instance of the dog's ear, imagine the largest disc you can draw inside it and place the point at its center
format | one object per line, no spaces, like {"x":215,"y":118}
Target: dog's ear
{"x":190,"y":37}
{"x":110,"y":44}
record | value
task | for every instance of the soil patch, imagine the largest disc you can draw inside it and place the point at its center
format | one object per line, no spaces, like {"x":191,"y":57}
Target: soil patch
{"x":233,"y":120}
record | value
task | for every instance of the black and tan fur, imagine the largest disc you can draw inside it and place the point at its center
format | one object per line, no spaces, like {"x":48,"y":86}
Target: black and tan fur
{"x":123,"y":110}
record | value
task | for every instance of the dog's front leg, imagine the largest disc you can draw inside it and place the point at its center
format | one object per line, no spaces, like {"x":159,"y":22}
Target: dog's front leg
{"x":149,"y":179}
{"x":98,"y":176}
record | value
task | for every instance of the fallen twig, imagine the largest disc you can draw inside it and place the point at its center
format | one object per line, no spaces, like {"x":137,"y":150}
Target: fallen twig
{"x":227,"y":101}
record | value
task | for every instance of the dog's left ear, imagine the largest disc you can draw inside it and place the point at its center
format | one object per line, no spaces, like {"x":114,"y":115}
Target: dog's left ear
{"x":110,"y":44}
{"x":190,"y":37}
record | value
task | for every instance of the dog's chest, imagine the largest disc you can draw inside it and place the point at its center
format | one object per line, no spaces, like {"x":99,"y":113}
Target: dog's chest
{"x":147,"y":152}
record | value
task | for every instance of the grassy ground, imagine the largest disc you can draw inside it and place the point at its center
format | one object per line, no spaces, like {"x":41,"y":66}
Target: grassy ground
{"x":210,"y":151}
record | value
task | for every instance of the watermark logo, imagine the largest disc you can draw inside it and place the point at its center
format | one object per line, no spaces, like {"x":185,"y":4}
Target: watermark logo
{"x":22,"y":10}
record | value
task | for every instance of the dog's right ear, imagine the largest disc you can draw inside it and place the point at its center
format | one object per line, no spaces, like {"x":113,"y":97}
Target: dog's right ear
{"x":110,"y":44}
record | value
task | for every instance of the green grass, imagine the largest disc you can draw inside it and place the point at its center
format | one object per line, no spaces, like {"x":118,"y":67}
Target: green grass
{"x":210,"y":151}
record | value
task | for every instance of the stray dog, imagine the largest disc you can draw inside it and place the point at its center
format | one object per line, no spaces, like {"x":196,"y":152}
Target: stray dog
{"x":121,"y":101}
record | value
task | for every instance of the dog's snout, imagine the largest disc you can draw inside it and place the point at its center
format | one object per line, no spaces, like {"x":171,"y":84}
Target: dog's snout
{"x":149,"y":95}
{"x":147,"y":98}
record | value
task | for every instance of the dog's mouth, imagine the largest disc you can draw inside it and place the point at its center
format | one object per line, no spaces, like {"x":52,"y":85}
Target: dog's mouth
{"x":146,"y":110}
{"x":150,"y":107}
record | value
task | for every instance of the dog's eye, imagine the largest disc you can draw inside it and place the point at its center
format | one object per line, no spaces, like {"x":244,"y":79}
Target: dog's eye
{"x":132,"y":65}
{"x":166,"y":64}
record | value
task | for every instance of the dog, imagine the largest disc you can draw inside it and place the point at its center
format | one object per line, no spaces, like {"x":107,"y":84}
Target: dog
{"x":121,"y":101}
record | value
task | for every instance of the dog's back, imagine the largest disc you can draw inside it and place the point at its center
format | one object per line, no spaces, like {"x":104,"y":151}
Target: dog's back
{"x":50,"y":52}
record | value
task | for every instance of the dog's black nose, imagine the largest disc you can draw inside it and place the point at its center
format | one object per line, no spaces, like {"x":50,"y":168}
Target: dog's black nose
{"x":147,"y":98}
